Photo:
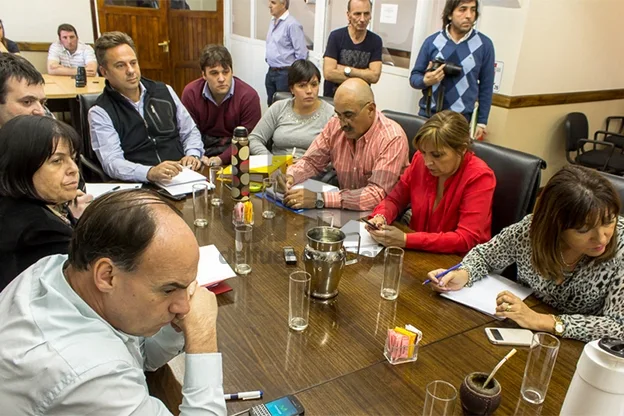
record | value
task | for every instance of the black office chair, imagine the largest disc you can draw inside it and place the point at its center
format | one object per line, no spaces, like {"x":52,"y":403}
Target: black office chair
{"x":618,"y":184}
{"x":518,"y":177}
{"x":283,"y":95}
{"x":615,"y":136}
{"x":92,"y":169}
{"x":410,"y":123}
{"x":603,"y":154}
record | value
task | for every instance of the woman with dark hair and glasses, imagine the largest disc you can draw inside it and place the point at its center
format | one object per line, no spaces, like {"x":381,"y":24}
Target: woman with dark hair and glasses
{"x":569,"y":251}
{"x":38,"y":185}
{"x":7,"y":45}
{"x":293,"y":123}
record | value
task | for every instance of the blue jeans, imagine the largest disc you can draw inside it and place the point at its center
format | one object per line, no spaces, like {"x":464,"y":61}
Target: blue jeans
{"x":276,"y":81}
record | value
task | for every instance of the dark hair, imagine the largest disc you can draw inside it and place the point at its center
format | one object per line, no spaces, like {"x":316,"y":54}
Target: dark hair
{"x":445,"y":129}
{"x":213,"y":55}
{"x":26,"y":142}
{"x":14,"y":66}
{"x":119,"y":226}
{"x":302,"y":71}
{"x":66,"y":27}
{"x":108,"y":41}
{"x":450,"y":7}
{"x":574,"y":198}
{"x":349,"y":5}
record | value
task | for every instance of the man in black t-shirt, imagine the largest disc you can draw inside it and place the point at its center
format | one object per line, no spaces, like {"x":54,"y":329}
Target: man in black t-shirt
{"x":352,"y":51}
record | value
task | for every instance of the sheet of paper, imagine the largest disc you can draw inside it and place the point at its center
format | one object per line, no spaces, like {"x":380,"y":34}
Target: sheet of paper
{"x":212,"y":266}
{"x":99,"y":189}
{"x":184,"y":188}
{"x":260,"y":161}
{"x":368,"y":246}
{"x":482,"y":295}
{"x":316,"y":186}
{"x":389,"y":14}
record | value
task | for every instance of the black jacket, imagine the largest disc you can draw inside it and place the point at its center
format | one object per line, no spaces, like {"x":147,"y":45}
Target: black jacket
{"x":29,"y":231}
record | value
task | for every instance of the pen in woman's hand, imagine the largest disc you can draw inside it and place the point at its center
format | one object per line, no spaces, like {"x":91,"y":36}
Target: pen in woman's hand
{"x":444,"y":273}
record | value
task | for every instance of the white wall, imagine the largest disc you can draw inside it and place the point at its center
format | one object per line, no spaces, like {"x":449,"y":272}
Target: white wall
{"x":37,"y":20}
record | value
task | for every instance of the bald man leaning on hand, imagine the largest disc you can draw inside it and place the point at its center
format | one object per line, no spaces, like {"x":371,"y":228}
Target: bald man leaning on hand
{"x":368,"y":151}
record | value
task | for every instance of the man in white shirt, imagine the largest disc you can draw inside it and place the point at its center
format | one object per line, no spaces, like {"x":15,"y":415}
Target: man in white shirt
{"x":78,"y":331}
{"x":68,"y":53}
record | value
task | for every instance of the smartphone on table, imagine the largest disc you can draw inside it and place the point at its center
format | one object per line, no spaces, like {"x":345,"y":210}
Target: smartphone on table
{"x":284,"y":406}
{"x":290,"y":257}
{"x":510,"y":336}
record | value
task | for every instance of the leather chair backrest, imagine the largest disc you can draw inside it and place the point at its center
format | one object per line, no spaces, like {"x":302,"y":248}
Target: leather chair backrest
{"x":518,"y":177}
{"x":86,"y":101}
{"x":577,"y":128}
{"x":283,"y":95}
{"x":410,"y":124}
{"x":618,"y":184}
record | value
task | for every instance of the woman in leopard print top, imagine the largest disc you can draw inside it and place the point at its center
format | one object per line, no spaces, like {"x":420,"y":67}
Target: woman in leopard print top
{"x":570,"y":252}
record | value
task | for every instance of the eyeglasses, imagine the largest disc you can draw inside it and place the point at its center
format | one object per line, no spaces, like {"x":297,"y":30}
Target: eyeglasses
{"x":349,"y":115}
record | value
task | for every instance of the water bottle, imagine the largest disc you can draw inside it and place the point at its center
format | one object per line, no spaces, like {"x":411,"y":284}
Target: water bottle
{"x":81,"y":77}
{"x":240,"y":164}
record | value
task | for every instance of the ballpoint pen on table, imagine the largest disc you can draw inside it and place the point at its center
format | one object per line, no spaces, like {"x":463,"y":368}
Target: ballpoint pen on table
{"x":245,"y":395}
{"x":444,"y":273}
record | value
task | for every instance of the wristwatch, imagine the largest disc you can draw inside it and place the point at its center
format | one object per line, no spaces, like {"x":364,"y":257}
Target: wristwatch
{"x":320,"y":202}
{"x":559,"y":326}
{"x":347,"y":71}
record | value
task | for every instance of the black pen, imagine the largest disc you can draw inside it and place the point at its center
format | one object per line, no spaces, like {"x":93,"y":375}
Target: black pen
{"x":115,"y":188}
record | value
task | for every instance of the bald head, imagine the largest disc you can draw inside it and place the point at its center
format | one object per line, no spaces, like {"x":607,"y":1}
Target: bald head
{"x":354,"y":103}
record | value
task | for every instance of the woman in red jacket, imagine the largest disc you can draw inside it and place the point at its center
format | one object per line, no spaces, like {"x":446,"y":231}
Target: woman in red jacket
{"x":449,"y":188}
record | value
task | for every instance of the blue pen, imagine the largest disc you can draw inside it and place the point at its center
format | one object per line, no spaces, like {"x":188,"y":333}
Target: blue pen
{"x":444,"y":273}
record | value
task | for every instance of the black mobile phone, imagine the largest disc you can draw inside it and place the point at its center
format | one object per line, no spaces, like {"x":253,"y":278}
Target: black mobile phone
{"x":166,"y":194}
{"x":373,"y":226}
{"x":284,"y":406}
{"x":290,"y":256}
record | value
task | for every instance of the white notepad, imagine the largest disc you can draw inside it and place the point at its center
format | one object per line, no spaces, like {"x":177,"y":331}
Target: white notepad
{"x":368,"y":246}
{"x":99,"y":189}
{"x":183,"y":182}
{"x":212,"y":267}
{"x":482,"y":295}
{"x":311,"y":185}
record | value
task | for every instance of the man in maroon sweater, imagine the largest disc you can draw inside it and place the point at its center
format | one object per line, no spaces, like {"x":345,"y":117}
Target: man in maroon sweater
{"x":220,"y":102}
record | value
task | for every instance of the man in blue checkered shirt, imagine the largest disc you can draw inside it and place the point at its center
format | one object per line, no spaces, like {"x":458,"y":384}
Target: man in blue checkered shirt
{"x":461,"y":44}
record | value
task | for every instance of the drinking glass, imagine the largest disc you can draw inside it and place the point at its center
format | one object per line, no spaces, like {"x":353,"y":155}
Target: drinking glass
{"x":268,"y":207}
{"x":242,"y":248}
{"x":324,"y":219}
{"x":217,"y":194}
{"x":539,"y":367}
{"x":200,"y":204}
{"x":299,"y":300}
{"x":440,"y":399}
{"x":393,"y":267}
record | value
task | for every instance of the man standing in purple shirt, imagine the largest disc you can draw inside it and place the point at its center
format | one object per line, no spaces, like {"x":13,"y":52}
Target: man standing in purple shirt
{"x":285,"y":43}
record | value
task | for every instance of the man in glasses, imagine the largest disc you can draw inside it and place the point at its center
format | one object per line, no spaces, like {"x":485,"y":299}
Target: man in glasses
{"x":368,"y":151}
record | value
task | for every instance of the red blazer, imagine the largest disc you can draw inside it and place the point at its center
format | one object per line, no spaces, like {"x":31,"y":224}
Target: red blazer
{"x":463,"y":217}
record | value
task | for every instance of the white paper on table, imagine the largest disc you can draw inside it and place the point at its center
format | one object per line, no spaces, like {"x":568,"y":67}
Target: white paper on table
{"x":212,"y":267}
{"x":187,"y":175}
{"x":368,"y":246}
{"x":99,"y":189}
{"x":310,"y":185}
{"x":482,"y":295}
{"x":389,"y":14}
{"x":184,"y":188}
{"x":260,"y":161}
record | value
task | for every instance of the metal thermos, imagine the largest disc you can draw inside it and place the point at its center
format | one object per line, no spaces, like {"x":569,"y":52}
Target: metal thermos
{"x":240,"y":164}
{"x":597,"y":387}
{"x":324,"y":258}
{"x":81,"y":77}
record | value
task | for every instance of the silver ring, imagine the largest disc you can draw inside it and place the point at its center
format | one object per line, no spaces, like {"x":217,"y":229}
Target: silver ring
{"x":508,"y":308}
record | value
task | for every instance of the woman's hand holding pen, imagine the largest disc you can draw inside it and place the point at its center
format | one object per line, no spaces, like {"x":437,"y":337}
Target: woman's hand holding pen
{"x":451,"y":281}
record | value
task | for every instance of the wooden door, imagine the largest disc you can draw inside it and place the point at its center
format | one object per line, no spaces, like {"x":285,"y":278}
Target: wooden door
{"x":146,"y":23}
{"x":189,"y":31}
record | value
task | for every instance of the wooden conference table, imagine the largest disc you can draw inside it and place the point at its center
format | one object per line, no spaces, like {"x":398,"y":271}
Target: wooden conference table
{"x":336,"y":366}
{"x":64,"y":87}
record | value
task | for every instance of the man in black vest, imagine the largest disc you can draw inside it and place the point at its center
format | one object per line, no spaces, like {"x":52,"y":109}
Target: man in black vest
{"x":140,"y":130}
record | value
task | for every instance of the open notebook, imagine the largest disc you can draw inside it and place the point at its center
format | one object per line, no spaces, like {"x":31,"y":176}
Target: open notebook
{"x":482,"y":295}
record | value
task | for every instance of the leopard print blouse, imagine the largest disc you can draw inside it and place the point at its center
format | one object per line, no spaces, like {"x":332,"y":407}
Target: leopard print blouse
{"x":591,"y":298}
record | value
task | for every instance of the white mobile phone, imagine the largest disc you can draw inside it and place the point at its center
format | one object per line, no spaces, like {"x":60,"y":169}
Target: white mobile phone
{"x":509,"y":336}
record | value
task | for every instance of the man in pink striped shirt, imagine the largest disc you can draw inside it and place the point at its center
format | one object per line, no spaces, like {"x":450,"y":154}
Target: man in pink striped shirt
{"x":368,"y":151}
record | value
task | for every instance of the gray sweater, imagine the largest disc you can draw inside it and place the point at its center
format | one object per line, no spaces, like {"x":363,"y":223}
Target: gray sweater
{"x":288,"y":129}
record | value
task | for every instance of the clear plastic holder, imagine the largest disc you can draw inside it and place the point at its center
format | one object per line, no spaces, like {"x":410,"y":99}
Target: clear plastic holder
{"x":402,"y":353}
